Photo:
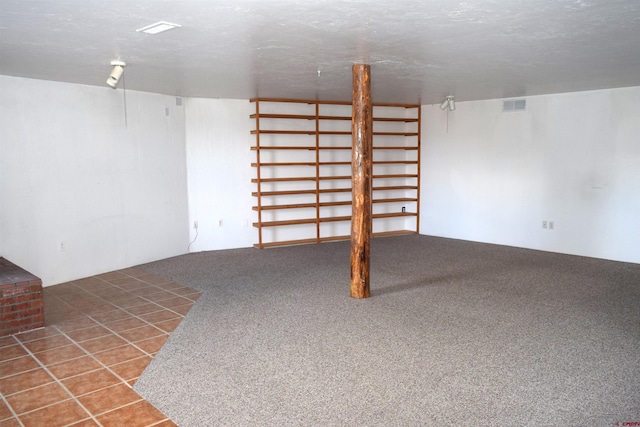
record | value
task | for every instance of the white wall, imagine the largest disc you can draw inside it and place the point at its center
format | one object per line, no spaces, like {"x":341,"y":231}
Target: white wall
{"x":80,"y":193}
{"x":218,"y":142}
{"x":570,"y":158}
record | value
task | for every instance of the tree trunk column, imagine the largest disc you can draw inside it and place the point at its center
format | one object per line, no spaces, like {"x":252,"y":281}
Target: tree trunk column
{"x":361,"y":165}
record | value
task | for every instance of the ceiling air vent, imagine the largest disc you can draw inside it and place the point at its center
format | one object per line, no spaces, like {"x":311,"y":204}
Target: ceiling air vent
{"x":514,"y":105}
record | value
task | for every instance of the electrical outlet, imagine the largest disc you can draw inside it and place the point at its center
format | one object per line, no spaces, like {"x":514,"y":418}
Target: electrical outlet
{"x":544,"y":224}
{"x":551,"y":225}
{"x":220,"y":222}
{"x":62,"y":247}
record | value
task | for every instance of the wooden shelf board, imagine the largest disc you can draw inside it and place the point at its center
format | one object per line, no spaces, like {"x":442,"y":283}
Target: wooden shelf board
{"x":334,"y":190}
{"x":398,"y":147}
{"x":326,"y":178}
{"x":291,"y":206}
{"x":285,"y":147}
{"x":396,"y":119}
{"x":286,"y":222}
{"x":396,"y":133}
{"x":302,"y":205}
{"x":394,"y":233}
{"x":283,"y":193}
{"x":395,"y":162}
{"x":284,"y":132}
{"x":407,"y":106}
{"x":333,"y":163}
{"x":394,"y":214}
{"x":336,"y":218}
{"x":291,"y":179}
{"x":331,"y":239}
{"x":329,"y":219}
{"x":334,"y":238}
{"x":287,"y":243}
{"x":396,"y":175}
{"x":324,"y":117}
{"x":386,"y":162}
{"x":293,"y":101}
{"x":255,"y":165}
{"x":294,"y":192}
{"x":395,"y":200}
{"x":327,"y":117}
{"x":313,"y":148}
{"x":283,"y":116}
{"x":314,"y":102}
{"x":396,"y":187}
{"x":329,"y":204}
{"x":341,"y":203}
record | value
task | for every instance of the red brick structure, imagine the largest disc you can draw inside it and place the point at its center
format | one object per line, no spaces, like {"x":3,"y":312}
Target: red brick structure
{"x":21,"y":300}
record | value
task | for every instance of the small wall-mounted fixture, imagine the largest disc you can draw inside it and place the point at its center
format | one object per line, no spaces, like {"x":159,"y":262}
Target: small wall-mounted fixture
{"x":116,"y":73}
{"x":448,"y":102}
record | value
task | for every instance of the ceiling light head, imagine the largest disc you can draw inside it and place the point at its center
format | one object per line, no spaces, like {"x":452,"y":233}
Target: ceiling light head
{"x":448,"y":102}
{"x":452,"y":103}
{"x":116,"y":73}
{"x":158,"y":27}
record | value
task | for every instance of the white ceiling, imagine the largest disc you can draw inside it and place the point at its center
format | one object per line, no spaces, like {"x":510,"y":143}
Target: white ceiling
{"x":419,"y":50}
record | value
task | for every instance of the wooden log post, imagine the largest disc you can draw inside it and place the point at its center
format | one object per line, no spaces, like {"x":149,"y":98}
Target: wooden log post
{"x":361,"y":165}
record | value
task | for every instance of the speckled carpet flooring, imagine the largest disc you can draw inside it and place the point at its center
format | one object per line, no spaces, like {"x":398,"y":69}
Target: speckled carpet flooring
{"x":455,"y":334}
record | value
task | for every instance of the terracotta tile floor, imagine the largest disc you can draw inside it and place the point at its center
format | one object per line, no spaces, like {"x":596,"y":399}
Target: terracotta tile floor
{"x":101,"y":333}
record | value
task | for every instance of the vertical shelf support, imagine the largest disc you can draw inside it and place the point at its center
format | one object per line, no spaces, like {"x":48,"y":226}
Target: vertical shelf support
{"x":418,"y":170}
{"x":317,"y":120}
{"x":361,"y":165}
{"x":259,"y":194}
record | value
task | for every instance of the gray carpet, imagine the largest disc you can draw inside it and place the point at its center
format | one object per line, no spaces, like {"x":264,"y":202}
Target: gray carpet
{"x":455,"y":334}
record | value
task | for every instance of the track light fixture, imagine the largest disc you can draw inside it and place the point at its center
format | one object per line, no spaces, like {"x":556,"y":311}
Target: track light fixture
{"x":448,"y":102}
{"x":116,"y":73}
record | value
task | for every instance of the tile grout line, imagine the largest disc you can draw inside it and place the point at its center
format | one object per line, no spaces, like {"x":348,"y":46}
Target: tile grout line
{"x":84,"y":292}
{"x":165,"y":333}
{"x":87,"y":353}
{"x":91,"y":355}
{"x":147,"y":323}
{"x":180,"y":316}
{"x":135,"y":316}
{"x":128,"y":343}
{"x":123,"y":381}
{"x":148,"y":301}
{"x":15,"y":416}
{"x":4,"y":399}
{"x":73,"y":396}
{"x":59,"y":382}
{"x":142,"y":297}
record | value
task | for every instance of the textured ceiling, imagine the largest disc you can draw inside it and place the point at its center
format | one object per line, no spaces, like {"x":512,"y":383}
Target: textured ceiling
{"x":419,"y":50}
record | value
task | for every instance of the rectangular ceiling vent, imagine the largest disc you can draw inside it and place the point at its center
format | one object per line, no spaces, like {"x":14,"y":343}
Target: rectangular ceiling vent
{"x":512,"y":105}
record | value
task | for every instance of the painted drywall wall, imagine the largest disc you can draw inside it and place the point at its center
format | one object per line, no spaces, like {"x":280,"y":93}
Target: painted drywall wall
{"x":81,"y":192}
{"x":219,"y":157}
{"x":573,"y":159}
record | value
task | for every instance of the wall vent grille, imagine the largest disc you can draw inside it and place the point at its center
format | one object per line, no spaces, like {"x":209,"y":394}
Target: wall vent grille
{"x":512,"y":105}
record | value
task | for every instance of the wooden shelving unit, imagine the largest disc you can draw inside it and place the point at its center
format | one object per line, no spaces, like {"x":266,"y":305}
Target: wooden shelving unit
{"x":303,"y":170}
